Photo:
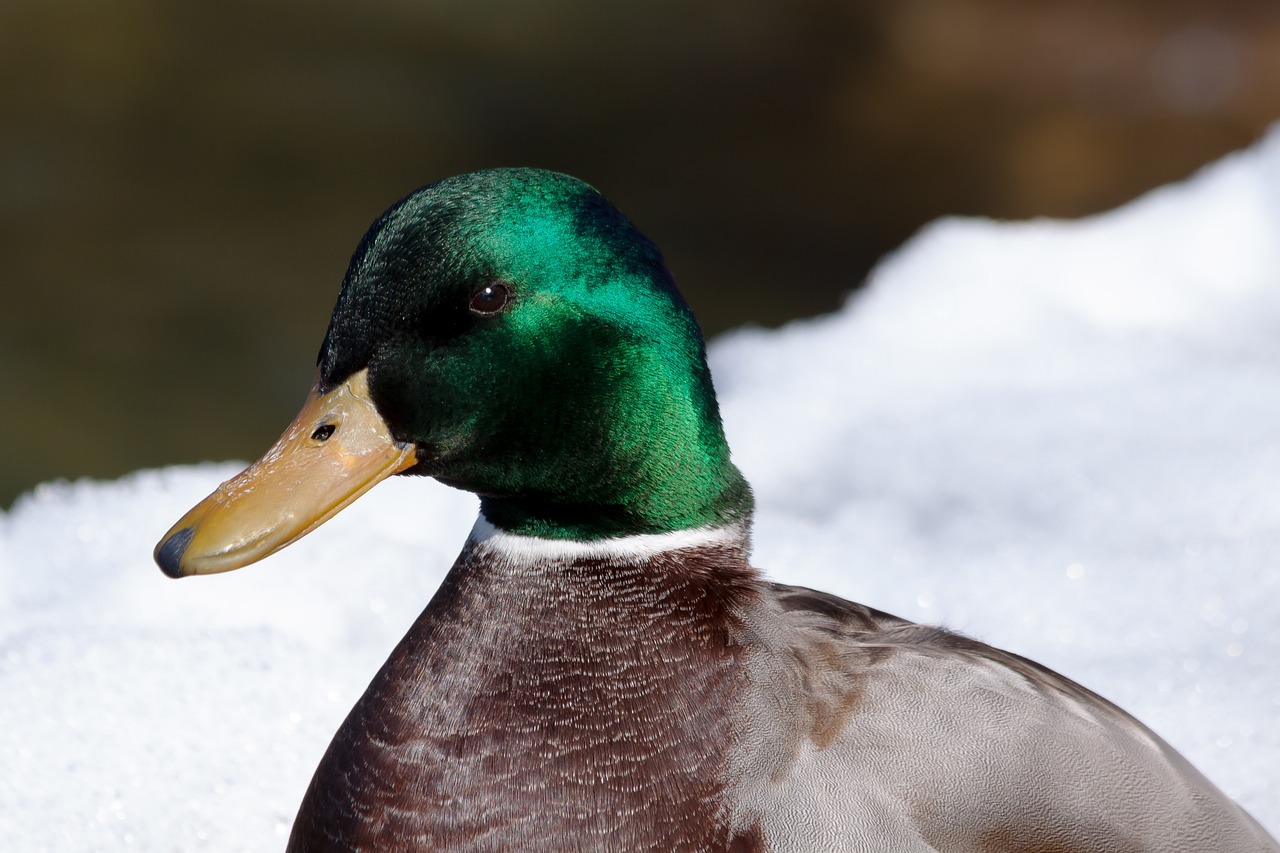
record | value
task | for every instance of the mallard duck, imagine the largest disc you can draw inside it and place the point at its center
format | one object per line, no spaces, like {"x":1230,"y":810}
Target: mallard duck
{"x":603,"y":668}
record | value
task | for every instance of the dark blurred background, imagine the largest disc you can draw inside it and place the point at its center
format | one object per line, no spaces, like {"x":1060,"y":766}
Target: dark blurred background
{"x":182,"y":182}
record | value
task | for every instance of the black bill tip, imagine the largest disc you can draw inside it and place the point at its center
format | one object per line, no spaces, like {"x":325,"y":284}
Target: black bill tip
{"x":168,"y":554}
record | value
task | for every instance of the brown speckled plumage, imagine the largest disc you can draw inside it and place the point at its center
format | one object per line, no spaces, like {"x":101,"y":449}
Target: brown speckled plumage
{"x":575,"y":704}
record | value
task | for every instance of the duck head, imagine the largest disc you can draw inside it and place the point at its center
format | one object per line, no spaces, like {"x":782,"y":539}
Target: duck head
{"x":510,"y":333}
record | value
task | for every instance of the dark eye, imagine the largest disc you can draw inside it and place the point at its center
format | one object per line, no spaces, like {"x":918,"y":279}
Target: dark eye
{"x":323,"y":432}
{"x":490,"y":299}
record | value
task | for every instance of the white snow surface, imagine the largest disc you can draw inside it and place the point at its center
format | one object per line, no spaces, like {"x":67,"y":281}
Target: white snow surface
{"x":1062,"y":438}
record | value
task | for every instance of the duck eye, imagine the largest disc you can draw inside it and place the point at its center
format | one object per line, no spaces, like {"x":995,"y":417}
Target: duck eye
{"x":490,"y":299}
{"x":323,"y":432}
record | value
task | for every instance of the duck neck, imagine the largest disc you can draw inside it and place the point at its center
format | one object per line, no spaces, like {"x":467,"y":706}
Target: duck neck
{"x":660,"y":557}
{"x":653,"y":459}
{"x":657,"y":505}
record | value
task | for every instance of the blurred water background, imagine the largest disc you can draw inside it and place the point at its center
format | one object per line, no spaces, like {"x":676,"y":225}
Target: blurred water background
{"x":182,"y":183}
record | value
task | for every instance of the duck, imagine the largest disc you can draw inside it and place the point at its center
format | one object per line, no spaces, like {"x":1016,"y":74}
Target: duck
{"x":602,"y":668}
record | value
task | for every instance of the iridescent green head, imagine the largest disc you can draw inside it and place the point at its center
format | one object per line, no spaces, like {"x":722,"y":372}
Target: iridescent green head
{"x":530,"y":343}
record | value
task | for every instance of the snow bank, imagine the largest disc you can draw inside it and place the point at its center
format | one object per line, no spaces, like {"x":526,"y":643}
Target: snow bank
{"x":1060,"y":437}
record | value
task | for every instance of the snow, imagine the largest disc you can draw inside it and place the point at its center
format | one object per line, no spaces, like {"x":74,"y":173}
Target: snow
{"x":1062,"y":438}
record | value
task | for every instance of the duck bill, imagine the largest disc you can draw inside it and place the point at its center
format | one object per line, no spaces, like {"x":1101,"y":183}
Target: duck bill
{"x":336,"y":449}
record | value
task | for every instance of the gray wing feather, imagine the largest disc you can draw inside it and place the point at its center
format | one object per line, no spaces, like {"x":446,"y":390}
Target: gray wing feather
{"x":915,"y":738}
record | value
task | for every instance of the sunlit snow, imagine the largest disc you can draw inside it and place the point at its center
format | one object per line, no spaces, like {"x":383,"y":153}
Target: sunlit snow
{"x":1062,"y":438}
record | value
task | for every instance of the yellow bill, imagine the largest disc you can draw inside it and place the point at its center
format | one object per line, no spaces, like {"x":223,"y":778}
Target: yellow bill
{"x":336,"y":449}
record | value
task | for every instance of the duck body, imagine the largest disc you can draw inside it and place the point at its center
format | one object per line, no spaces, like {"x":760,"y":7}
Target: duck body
{"x":631,"y":698}
{"x":602,"y":668}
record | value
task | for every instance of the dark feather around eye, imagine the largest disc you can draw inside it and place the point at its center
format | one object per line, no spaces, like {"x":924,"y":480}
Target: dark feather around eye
{"x":490,"y":299}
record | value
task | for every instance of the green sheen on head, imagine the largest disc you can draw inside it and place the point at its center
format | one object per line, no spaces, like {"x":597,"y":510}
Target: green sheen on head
{"x":583,"y":408}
